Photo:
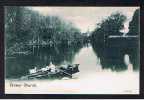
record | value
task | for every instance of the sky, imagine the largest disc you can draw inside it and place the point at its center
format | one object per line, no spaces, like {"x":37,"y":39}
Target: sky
{"x":86,"y":18}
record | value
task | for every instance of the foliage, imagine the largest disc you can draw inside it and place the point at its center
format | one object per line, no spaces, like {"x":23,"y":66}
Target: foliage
{"x":25,"y":26}
{"x":134,"y":24}
{"x":110,"y":26}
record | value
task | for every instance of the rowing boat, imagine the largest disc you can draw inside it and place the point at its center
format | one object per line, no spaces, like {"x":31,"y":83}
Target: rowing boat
{"x":59,"y":72}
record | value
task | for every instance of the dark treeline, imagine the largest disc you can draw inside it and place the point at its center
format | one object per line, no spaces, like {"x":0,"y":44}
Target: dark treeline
{"x":25,"y":27}
{"x":46,"y":39}
{"x":134,"y":30}
{"x":111,"y":45}
{"x":110,"y":26}
{"x":134,"y":24}
{"x":41,"y":39}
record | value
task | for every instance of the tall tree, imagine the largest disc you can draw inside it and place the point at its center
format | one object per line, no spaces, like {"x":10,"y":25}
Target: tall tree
{"x":110,"y":26}
{"x":134,"y":24}
{"x":25,"y":26}
{"x":13,"y":24}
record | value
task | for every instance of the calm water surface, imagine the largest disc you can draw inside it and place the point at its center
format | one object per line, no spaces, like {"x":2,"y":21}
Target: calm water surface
{"x":93,"y":78}
{"x":88,"y":59}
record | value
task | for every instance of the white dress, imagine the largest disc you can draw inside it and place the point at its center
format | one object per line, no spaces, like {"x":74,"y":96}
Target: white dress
{"x":53,"y":68}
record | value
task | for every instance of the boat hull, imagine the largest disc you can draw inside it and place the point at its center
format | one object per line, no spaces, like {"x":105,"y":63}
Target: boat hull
{"x":59,"y":73}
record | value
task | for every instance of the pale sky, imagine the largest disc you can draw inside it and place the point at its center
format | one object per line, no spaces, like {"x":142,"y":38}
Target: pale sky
{"x":86,"y":18}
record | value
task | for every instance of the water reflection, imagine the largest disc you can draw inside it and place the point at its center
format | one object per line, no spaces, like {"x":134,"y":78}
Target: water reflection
{"x":114,"y":58}
{"x":91,"y":59}
{"x":41,"y":57}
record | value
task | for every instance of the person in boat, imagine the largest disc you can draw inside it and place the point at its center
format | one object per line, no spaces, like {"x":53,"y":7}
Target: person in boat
{"x":65,"y":65}
{"x":52,"y":67}
{"x":47,"y":68}
{"x":31,"y":71}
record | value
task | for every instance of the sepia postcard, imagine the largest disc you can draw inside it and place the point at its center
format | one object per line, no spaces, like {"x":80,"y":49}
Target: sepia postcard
{"x":72,"y":50}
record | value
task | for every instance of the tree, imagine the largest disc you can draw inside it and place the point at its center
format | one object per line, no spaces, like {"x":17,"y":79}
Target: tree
{"x":13,"y":24}
{"x":110,"y":26}
{"x":25,"y":26}
{"x":134,"y":24}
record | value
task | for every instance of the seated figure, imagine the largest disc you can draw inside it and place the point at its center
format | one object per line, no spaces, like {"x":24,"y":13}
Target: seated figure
{"x":31,"y":71}
{"x":52,"y":67}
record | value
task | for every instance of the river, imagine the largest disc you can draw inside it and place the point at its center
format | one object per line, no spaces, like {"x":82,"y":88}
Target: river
{"x":93,"y":78}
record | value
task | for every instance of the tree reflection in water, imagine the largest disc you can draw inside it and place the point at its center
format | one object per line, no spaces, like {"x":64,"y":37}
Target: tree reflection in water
{"x":113,"y":58}
{"x":19,"y":66}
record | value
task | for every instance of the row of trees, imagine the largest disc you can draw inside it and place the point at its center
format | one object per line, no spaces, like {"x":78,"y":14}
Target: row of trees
{"x":134,"y":28}
{"x":111,"y":51}
{"x":112,"y":26}
{"x":25,"y":26}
